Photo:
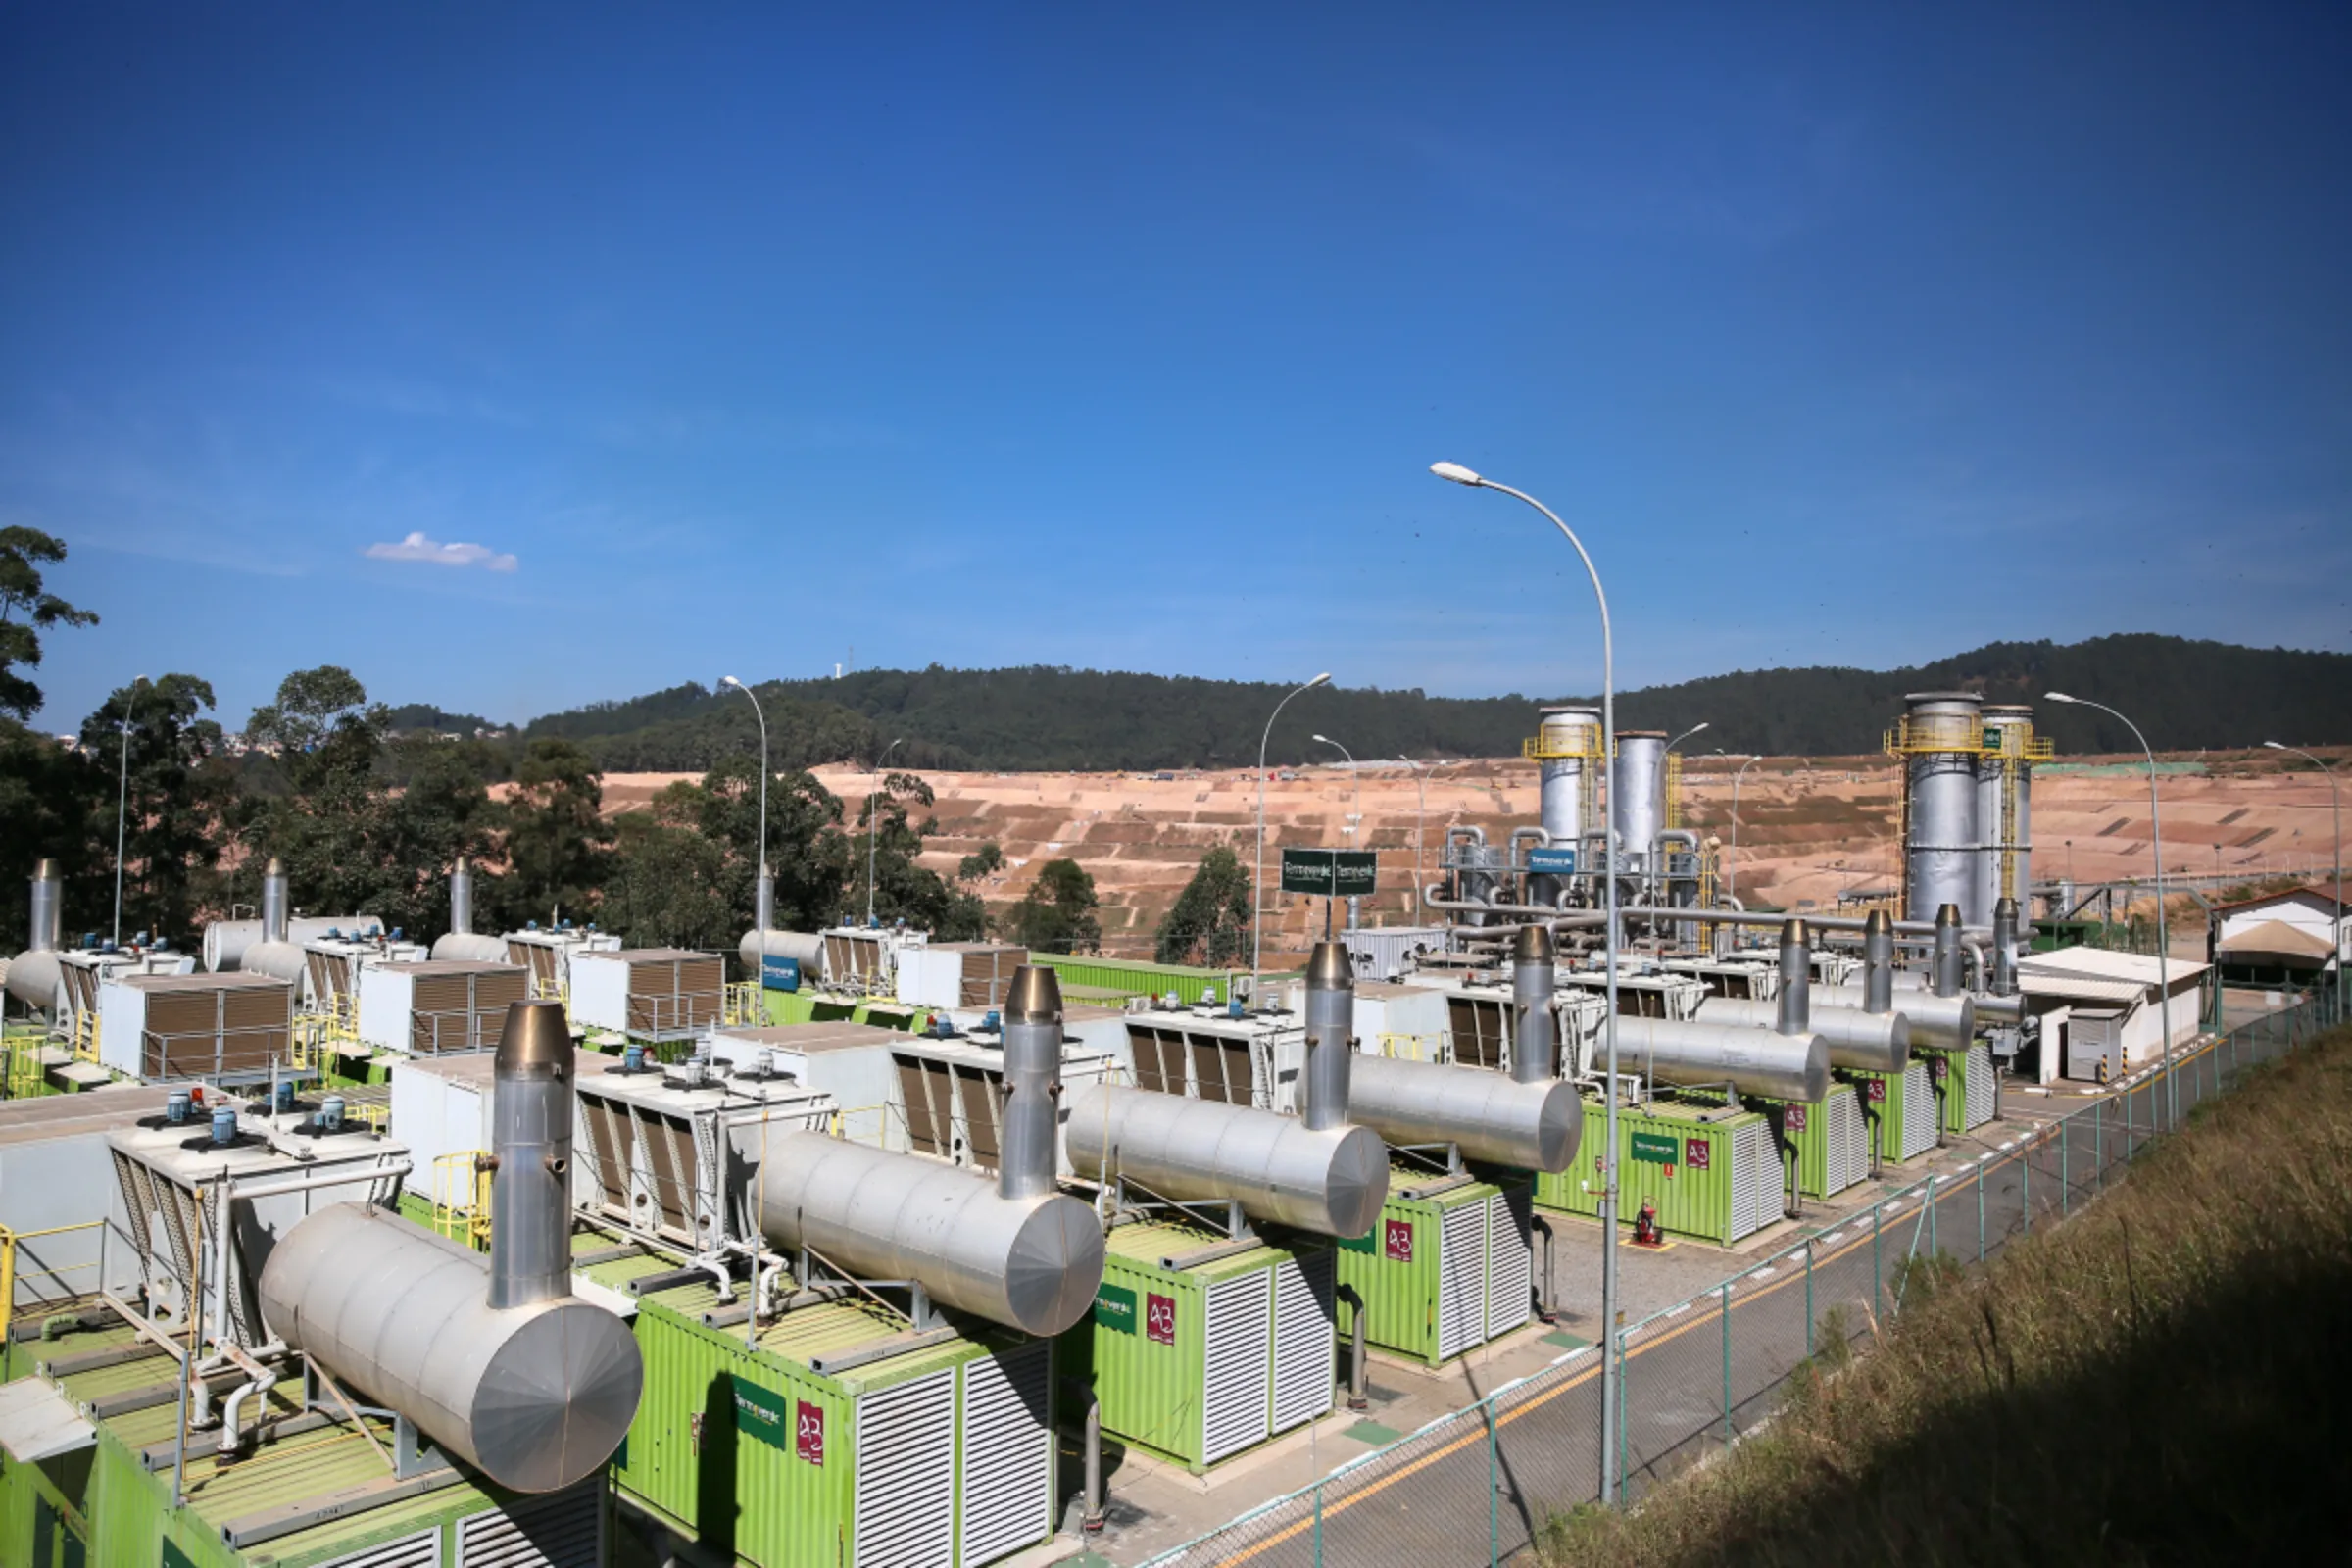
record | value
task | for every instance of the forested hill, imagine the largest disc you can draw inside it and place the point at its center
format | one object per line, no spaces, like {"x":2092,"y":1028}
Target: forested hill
{"x":2185,"y":694}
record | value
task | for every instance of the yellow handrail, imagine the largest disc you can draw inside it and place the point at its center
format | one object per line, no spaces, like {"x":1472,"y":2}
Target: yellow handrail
{"x":468,"y":1168}
{"x":1389,"y":1044}
{"x":9,"y":1241}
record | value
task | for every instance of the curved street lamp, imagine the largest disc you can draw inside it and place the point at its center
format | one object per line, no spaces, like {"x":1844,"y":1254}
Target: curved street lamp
{"x":122,"y":799}
{"x":2164,"y":989}
{"x":1257,"y":886}
{"x":1610,"y":1372}
{"x":764,"y":886}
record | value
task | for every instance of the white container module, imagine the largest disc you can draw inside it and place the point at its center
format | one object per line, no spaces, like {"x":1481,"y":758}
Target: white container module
{"x":226,"y":1027}
{"x":331,"y":967}
{"x":545,"y":956}
{"x":55,"y":1172}
{"x":1396,"y":1021}
{"x":1204,"y":1053}
{"x":850,"y":1062}
{"x":958,"y":974}
{"x":655,"y":1145}
{"x":1391,"y":952}
{"x":946,"y":1096}
{"x":1085,"y":1027}
{"x":82,"y":972}
{"x":440,"y":1111}
{"x":648,"y":992}
{"x":437,"y":1005}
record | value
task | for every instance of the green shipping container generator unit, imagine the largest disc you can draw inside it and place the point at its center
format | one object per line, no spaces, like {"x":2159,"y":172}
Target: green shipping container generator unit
{"x":1900,"y":1109}
{"x":1197,"y":1351}
{"x":1450,"y":1266}
{"x":87,"y":1473}
{"x":840,"y":1436}
{"x":1964,"y":1084}
{"x":1711,"y":1171}
{"x":1825,"y":1147}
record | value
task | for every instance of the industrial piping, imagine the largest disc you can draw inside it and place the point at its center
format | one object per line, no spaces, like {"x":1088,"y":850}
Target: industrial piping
{"x":535,"y":1395}
{"x":1330,"y":1179}
{"x":33,"y":975}
{"x":461,"y":942}
{"x":1873,"y":1038}
{"x":1530,"y":1120}
{"x":1014,"y":1251}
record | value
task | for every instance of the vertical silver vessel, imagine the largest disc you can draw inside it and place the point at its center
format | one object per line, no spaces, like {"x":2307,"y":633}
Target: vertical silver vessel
{"x":2005,"y":810}
{"x":1637,"y":796}
{"x":1568,"y":749}
{"x":460,"y":899}
{"x":1938,"y":741}
{"x":1796,"y":979}
{"x":34,"y":974}
{"x":1535,"y":1044}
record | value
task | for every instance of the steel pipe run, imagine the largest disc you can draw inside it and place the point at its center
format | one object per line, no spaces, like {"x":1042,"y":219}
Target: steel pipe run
{"x":1817,"y":922}
{"x":1276,"y":1168}
{"x":1872,"y":1042}
{"x":1330,"y":1046}
{"x":1029,"y":1263}
{"x":1488,"y":1117}
{"x":1753,"y":1061}
{"x":536,"y":1396}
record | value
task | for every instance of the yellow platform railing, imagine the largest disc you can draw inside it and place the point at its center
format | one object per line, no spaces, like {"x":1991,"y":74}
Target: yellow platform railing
{"x":462,"y":1197}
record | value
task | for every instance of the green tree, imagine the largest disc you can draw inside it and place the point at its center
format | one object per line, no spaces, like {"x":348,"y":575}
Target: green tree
{"x":559,"y":845}
{"x":806,"y":850}
{"x":665,"y":890}
{"x":316,"y":799}
{"x":1210,"y":921}
{"x":442,"y":810}
{"x":905,"y":889}
{"x":1058,"y":914}
{"x":27,"y":609}
{"x":175,"y":800}
{"x":985,"y":861}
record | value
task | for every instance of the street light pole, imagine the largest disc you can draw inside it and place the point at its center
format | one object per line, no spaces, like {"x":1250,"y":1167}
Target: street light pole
{"x":1685,"y":735}
{"x":1730,"y":878}
{"x":873,"y":826}
{"x":1610,"y":1391}
{"x":763,"y":890}
{"x":2164,"y":940}
{"x":123,"y":800}
{"x":1354,"y":827}
{"x":2335,"y":805}
{"x":1257,"y":885}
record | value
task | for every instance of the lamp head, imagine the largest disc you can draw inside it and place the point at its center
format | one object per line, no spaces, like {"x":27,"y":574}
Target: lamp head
{"x":1323,"y":679}
{"x":1325,"y":740}
{"x":2274,"y":746}
{"x":1455,"y":473}
{"x":1696,"y":728}
{"x":2056,"y":697}
{"x":728,"y":681}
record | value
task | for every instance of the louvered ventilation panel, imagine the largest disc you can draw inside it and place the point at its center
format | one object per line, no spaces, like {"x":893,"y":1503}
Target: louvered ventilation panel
{"x":670,"y":1150}
{"x":1979,"y":1084}
{"x":924,"y":1091}
{"x":1511,"y":1260}
{"x":1008,"y":1453}
{"x":256,"y":1023}
{"x":493,"y":994}
{"x":564,"y":1531}
{"x":1303,"y":1332}
{"x":1208,"y":1071}
{"x":1235,"y":1331}
{"x":981,"y":1098}
{"x":1920,"y":1110}
{"x":419,"y":1551}
{"x":905,"y":1481}
{"x":1477,"y":1031}
{"x":1846,"y":1158}
{"x":1158,"y":1059}
{"x":1755,"y":1178}
{"x":612,"y":1145}
{"x":1461,"y":1278}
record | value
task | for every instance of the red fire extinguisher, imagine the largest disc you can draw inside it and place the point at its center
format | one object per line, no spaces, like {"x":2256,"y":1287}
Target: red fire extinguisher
{"x":1645,"y":1226}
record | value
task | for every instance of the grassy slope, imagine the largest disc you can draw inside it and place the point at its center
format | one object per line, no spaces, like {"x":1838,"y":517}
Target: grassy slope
{"x":2167,"y":1378}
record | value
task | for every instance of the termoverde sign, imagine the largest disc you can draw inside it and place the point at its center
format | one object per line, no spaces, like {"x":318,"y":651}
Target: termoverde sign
{"x":1330,"y":873}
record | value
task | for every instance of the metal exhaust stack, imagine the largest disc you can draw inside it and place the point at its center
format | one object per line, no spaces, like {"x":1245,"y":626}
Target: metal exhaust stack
{"x":275,"y":900}
{"x":530,"y":1142}
{"x":1025,"y":1166}
{"x":32,"y":976}
{"x":763,"y":900}
{"x":1796,"y":979}
{"x":1945,"y":966}
{"x":1878,"y":963}
{"x":1534,"y":1046}
{"x":460,"y":940}
{"x":1330,"y":1018}
{"x":534,"y":1395}
{"x":460,"y":899}
{"x":2004,"y":948}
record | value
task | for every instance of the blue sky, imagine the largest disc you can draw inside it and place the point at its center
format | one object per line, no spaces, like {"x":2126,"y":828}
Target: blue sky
{"x":737,"y":341}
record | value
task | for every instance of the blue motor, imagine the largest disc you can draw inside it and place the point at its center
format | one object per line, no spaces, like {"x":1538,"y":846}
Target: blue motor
{"x":632,"y":1058}
{"x":282,"y":1096}
{"x":994,"y":1022}
{"x":1233,"y":1008}
{"x":330,"y":1114}
{"x":225,"y":1127}
{"x":178,"y":1107}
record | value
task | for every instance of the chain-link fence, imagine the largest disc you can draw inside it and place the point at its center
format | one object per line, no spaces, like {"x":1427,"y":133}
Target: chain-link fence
{"x":1697,"y":1375}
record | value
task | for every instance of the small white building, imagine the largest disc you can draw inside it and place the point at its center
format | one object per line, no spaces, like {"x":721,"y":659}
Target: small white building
{"x":2281,"y":939}
{"x":2123,"y":989}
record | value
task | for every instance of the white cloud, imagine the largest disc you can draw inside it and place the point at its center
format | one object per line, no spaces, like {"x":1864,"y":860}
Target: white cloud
{"x":417,"y":547}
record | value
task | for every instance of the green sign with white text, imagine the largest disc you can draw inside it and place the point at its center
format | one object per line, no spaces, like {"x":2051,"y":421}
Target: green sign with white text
{"x":1114,"y":1307}
{"x":761,"y":1413}
{"x":1652,"y":1149}
{"x":1330,"y":873}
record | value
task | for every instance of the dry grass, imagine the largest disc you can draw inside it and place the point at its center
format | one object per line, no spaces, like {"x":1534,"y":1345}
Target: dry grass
{"x":2164,"y":1379}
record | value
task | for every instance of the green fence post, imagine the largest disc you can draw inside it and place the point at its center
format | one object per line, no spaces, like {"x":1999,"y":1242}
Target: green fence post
{"x":1808,"y":1297}
{"x":1878,"y":1273}
{"x":2099,"y":1139}
{"x":1979,"y":1213}
{"x":2025,"y":1177}
{"x":1495,"y":1489}
{"x":2065,"y":1186}
{"x":1624,"y":1420}
{"x":1318,"y":1523}
{"x":1726,"y":1364}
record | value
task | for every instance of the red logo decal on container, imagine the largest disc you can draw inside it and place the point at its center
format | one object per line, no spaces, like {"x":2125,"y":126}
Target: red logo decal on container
{"x":1796,"y":1120}
{"x":1878,"y":1091}
{"x":1696,"y":1152}
{"x":1400,"y":1235}
{"x":1159,"y":1318}
{"x":809,"y":1432}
